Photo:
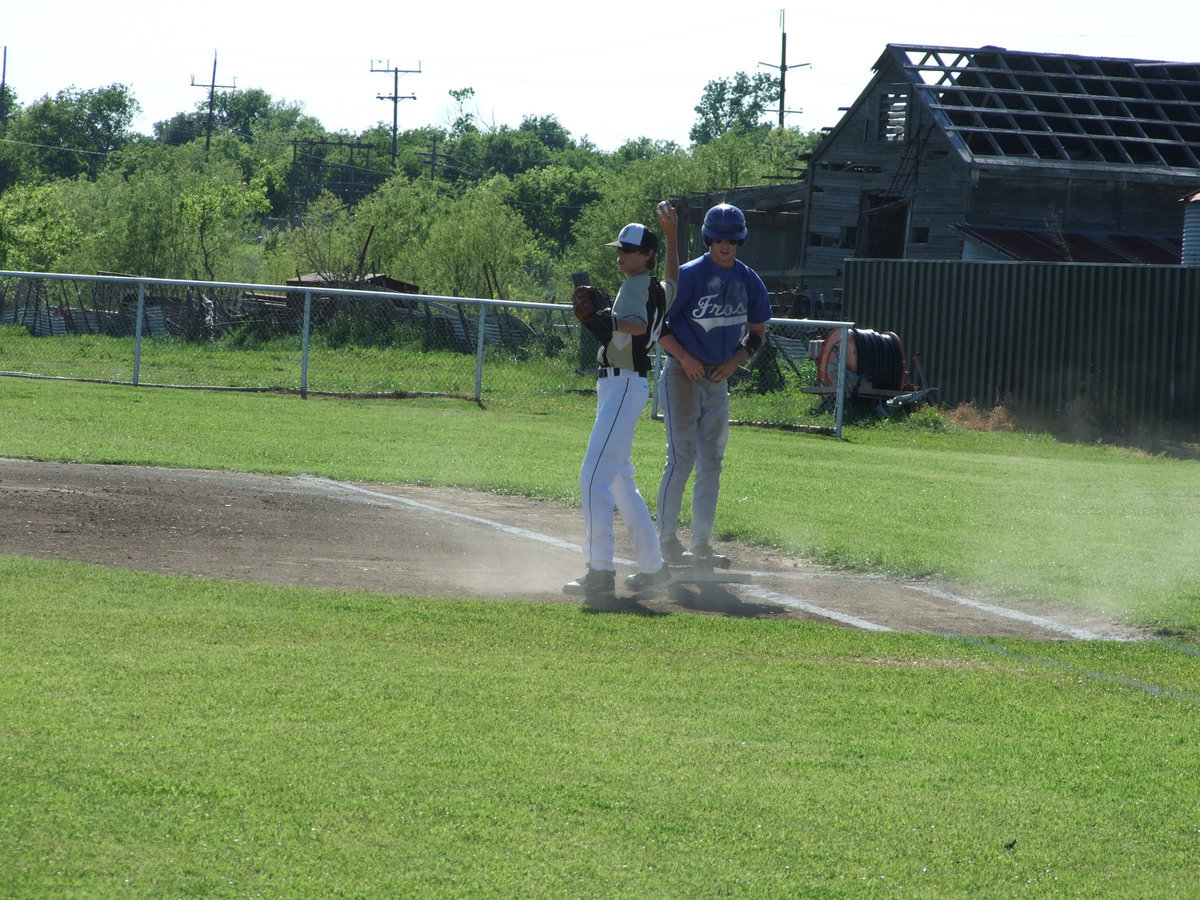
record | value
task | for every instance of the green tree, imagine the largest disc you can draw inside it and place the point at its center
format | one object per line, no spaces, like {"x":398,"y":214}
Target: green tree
{"x":467,"y":210}
{"x":276,"y":141}
{"x":472,"y":154}
{"x":74,"y":132}
{"x":551,"y":198}
{"x":629,"y":197}
{"x":644,"y":148}
{"x":250,"y":115}
{"x":783,"y":151}
{"x":10,"y":154}
{"x":321,"y":242}
{"x":182,"y":128}
{"x":246,"y":112}
{"x":129,"y":215}
{"x":734,"y":104}
{"x":398,"y":218}
{"x":171,"y":212}
{"x":729,"y":161}
{"x":511,"y":151}
{"x":463,"y":119}
{"x":36,"y":229}
{"x":8,"y":103}
{"x":387,"y":232}
{"x":480,"y":247}
{"x":337,"y":164}
{"x":462,"y":156}
{"x":419,"y":151}
{"x":217,"y":211}
{"x":12,"y":165}
{"x":548,"y":131}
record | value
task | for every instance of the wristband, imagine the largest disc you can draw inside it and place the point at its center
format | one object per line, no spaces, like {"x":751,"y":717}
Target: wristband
{"x":752,"y":342}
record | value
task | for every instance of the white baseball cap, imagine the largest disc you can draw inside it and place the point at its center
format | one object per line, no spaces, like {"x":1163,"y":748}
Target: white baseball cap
{"x":635,"y":237}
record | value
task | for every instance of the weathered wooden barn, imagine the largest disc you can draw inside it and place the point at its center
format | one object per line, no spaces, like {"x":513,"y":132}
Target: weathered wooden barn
{"x":990,"y":154}
{"x":1017,"y":218}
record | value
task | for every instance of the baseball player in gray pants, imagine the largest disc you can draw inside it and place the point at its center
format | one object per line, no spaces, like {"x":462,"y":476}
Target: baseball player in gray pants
{"x":715,"y":324}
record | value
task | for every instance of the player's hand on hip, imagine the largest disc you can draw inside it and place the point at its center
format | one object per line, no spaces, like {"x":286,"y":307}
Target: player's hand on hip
{"x":692,"y":368}
{"x":722,"y":372}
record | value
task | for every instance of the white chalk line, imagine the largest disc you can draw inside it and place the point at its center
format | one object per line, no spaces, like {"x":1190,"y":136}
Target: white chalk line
{"x":1003,"y":612}
{"x":796,"y":603}
{"x":1072,"y":631}
{"x":454,"y":514}
{"x":753,"y":591}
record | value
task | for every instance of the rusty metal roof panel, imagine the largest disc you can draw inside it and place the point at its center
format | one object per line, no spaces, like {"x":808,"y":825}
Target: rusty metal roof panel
{"x":1074,"y":246}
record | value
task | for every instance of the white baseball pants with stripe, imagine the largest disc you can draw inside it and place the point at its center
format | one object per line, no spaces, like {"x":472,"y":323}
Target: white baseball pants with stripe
{"x":606,"y":477}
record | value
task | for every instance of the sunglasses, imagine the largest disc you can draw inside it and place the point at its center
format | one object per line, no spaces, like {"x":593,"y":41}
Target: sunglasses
{"x":725,"y":241}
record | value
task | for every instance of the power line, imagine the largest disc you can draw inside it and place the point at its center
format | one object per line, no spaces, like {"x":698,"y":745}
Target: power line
{"x":56,"y":148}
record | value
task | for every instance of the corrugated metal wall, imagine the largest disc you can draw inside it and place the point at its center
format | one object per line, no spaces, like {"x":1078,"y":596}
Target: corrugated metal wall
{"x":1123,"y":340}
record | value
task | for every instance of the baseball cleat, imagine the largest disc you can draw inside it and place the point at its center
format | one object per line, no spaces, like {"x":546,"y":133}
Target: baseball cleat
{"x":704,"y":555}
{"x":598,"y":588}
{"x":673,"y":553}
{"x":650,"y":582}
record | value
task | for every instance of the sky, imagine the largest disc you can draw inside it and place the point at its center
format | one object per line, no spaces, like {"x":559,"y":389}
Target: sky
{"x":607,"y":72}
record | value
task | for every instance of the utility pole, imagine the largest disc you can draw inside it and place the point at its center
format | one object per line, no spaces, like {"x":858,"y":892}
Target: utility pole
{"x":212,"y":91}
{"x":4,"y":91}
{"x":783,"y":67}
{"x":433,"y":160}
{"x":395,"y":97}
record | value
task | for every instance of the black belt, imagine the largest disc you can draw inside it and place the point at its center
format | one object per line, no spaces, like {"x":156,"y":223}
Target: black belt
{"x":613,"y":372}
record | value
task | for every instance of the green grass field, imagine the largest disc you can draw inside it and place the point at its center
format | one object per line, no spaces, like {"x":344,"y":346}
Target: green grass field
{"x":171,"y":737}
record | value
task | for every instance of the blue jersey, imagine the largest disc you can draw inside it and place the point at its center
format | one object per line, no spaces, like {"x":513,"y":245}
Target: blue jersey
{"x":713,"y":307}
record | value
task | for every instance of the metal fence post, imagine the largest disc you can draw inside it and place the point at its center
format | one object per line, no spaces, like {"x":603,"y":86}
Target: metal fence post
{"x":306,"y":333}
{"x":841,"y":393}
{"x":660,"y":359}
{"x":479,"y":353}
{"x":137,"y":331}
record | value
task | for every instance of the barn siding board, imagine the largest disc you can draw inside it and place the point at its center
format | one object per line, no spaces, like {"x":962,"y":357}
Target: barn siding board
{"x":1119,"y":341}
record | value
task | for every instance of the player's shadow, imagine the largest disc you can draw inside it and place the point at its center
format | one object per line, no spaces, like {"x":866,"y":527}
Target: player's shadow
{"x":713,"y":597}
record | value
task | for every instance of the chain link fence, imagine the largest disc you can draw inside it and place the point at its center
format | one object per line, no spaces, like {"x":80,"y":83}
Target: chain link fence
{"x":358,"y":342}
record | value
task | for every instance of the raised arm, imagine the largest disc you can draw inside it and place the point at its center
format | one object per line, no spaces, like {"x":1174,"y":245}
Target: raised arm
{"x":668,"y":220}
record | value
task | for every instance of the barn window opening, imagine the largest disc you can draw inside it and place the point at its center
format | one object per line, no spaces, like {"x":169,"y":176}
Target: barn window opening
{"x":893,"y":116}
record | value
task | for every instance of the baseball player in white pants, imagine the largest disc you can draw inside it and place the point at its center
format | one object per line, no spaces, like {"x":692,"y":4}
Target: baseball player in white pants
{"x":626,"y":334}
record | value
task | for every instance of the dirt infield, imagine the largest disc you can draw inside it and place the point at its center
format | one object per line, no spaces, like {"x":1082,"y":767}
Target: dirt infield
{"x":407,"y":540}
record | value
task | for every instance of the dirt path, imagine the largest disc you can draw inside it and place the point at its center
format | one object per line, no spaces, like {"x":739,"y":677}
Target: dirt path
{"x":400,"y":539}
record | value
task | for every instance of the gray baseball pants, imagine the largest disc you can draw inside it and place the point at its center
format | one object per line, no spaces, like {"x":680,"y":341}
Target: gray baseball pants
{"x":696,"y":414}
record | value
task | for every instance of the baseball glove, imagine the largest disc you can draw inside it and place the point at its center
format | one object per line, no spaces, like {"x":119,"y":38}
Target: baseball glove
{"x":587,"y":301}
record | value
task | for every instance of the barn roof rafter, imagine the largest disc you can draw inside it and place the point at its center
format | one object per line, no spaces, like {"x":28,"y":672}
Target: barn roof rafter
{"x":1053,"y":108}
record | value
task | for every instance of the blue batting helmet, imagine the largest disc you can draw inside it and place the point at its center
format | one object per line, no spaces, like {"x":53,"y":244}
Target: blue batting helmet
{"x":724,"y":223}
